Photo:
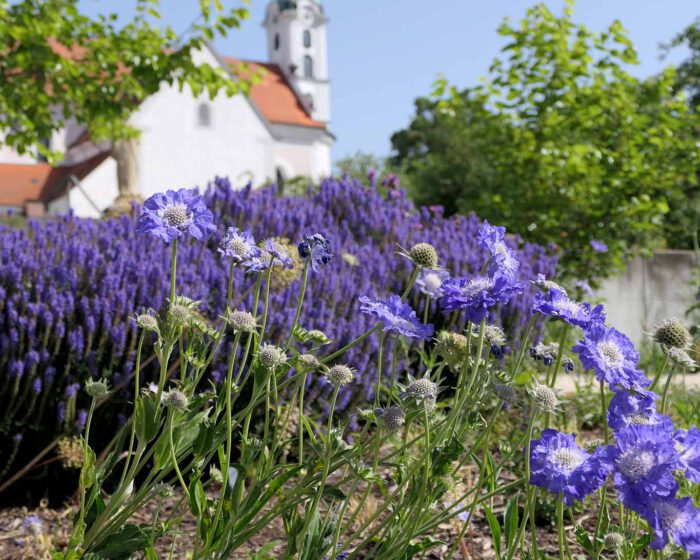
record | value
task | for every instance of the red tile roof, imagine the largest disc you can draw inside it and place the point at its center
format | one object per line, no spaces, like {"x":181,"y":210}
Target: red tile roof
{"x":274,"y":95}
{"x":22,"y":183}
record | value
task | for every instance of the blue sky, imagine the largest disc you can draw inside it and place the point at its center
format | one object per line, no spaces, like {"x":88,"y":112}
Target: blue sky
{"x":385,"y":53}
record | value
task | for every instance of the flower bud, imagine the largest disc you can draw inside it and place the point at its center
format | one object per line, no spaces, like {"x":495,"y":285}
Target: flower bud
{"x":147,"y":322}
{"x":271,"y":356}
{"x":97,"y":389}
{"x":242,"y":321}
{"x":393,"y":418}
{"x":672,"y":333}
{"x":340,"y":375}
{"x":545,"y":398}
{"x":176,"y":400}
{"x":424,"y":254}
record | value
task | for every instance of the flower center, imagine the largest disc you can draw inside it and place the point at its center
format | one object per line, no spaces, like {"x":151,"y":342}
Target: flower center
{"x":476,"y":286}
{"x":679,"y":447}
{"x":610,"y":353}
{"x":568,"y":459}
{"x":570,"y":306}
{"x":635,"y":464}
{"x":672,"y":518}
{"x":238,"y":247}
{"x":500,"y":248}
{"x":176,"y":215}
{"x":432,"y":281}
{"x":640,"y":419}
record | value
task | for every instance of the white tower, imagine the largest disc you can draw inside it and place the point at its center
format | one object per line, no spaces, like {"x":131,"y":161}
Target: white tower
{"x":296,"y":39}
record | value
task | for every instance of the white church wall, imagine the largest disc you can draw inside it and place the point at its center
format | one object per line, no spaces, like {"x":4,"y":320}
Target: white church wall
{"x":178,"y":150}
{"x":100,"y":188}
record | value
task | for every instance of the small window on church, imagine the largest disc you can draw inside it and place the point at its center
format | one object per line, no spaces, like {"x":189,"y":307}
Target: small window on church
{"x":277,"y":41}
{"x":204,"y":115}
{"x":308,"y":67}
{"x":307,"y":38}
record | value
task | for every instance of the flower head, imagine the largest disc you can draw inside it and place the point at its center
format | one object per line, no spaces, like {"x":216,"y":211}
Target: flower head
{"x":397,"y":316}
{"x":171,"y":214}
{"x":672,"y":333}
{"x":242,"y":321}
{"x":147,"y":322}
{"x":429,"y":282}
{"x":546,"y":285}
{"x":478,"y":294}
{"x":393,"y":418}
{"x":687,"y":445}
{"x":545,"y":398}
{"x":611,"y":355}
{"x":238,"y":246}
{"x":271,"y":356}
{"x":557,"y":304}
{"x":424,"y":254}
{"x":422,"y":390}
{"x":278,"y":252}
{"x":340,"y":375}
{"x":318,"y":248}
{"x":644,"y":460}
{"x":672,"y":518}
{"x":492,"y":238}
{"x":176,"y":399}
{"x":627,"y":409}
{"x":97,"y":389}
{"x":598,"y":246}
{"x":559,"y":465}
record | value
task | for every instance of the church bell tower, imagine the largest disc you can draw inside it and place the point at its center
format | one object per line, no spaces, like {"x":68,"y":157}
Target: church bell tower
{"x":296,"y":39}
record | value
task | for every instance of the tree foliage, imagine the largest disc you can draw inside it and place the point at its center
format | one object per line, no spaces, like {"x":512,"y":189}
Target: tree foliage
{"x":560,"y":144}
{"x":57,"y":64}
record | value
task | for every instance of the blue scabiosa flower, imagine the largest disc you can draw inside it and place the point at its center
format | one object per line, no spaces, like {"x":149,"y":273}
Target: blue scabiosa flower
{"x":492,"y":238}
{"x":279,"y":253}
{"x":397,"y":316}
{"x":559,"y":465}
{"x":557,"y":304}
{"x":239,"y":246}
{"x":672,"y":518}
{"x":429,"y":282}
{"x":598,"y":246}
{"x":687,"y":444}
{"x":478,"y":294}
{"x":546,"y":285}
{"x":318,"y":248}
{"x":643,"y":460}
{"x":172,"y":214}
{"x":627,"y":409}
{"x":611,"y":355}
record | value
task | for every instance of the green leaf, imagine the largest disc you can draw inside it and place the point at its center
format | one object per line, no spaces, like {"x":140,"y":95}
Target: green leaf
{"x":123,"y":543}
{"x":146,"y":418}
{"x":495,"y":530}
{"x":511,"y":521}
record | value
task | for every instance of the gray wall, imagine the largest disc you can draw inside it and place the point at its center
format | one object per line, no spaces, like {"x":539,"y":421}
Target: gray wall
{"x":649,"y":291}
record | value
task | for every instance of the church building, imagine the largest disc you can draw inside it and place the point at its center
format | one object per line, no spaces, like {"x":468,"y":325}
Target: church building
{"x":279,"y":131}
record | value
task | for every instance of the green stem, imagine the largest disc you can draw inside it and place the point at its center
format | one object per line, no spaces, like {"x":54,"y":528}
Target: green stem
{"x":302,"y":390}
{"x":229,"y":291}
{"x":137,"y":390}
{"x":86,"y":450}
{"x":411,"y":281}
{"x":300,"y":301}
{"x":173,"y":458}
{"x":347,"y":347}
{"x":379,"y":369}
{"x":173,"y":271}
{"x":659,"y":374}
{"x":560,"y":353}
{"x":664,"y":395}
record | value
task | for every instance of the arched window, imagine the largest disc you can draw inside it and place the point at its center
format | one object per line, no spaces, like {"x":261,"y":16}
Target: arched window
{"x":308,"y":67}
{"x":307,"y":38}
{"x":277,"y":41}
{"x":204,"y":115}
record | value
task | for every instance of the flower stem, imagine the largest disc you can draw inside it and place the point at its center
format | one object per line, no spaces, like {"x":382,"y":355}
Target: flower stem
{"x":173,"y":458}
{"x":664,"y":395}
{"x":173,"y":270}
{"x":300,"y":302}
{"x":380,"y":359}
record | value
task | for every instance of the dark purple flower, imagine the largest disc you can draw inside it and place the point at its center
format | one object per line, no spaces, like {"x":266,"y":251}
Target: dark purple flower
{"x":429,"y":282}
{"x":493,"y":239}
{"x":392,"y":181}
{"x":644,"y":460}
{"x":611,"y":355}
{"x":672,"y":518}
{"x":559,"y":465}
{"x":318,"y":248}
{"x":599,"y":246}
{"x":397,"y":316}
{"x":556,"y":304}
{"x":627,"y":409}
{"x":239,"y":246}
{"x":278,"y":253}
{"x":478,"y":294}
{"x":687,"y":444}
{"x":171,"y":214}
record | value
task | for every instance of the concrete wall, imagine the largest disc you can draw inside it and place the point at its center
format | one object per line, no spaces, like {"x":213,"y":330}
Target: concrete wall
{"x":649,"y":291}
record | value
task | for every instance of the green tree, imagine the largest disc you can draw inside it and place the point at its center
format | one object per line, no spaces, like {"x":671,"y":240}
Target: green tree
{"x":561,"y":144}
{"x":359,"y":165}
{"x":57,"y":64}
{"x":688,"y":75}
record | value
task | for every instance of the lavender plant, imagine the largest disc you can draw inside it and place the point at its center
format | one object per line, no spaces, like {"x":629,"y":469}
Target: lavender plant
{"x":73,"y":291}
{"x":410,"y":448}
